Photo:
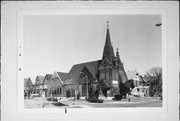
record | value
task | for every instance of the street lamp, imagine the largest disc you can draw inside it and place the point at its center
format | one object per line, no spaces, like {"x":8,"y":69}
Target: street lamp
{"x":86,"y":79}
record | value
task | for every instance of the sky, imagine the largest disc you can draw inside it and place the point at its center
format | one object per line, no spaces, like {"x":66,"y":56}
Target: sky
{"x":57,"y":42}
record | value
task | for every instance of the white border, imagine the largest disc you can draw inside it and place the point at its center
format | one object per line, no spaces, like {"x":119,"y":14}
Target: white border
{"x":10,"y":12}
{"x":22,"y":13}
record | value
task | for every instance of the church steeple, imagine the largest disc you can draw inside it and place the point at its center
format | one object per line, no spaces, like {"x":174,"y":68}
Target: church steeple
{"x":108,"y":49}
{"x":118,"y":61}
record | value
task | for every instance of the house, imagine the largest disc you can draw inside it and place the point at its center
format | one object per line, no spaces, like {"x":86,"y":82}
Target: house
{"x":70,"y":88}
{"x":140,"y":91}
{"x":133,"y":75}
{"x":46,"y":82}
{"x":28,"y":87}
{"x":56,"y":85}
{"x":40,"y":90}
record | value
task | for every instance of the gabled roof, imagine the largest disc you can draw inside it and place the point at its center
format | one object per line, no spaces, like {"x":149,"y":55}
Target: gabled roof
{"x":27,"y":82}
{"x":62,"y":75}
{"x":92,"y":67}
{"x":57,"y":79}
{"x":105,"y":62}
{"x":39,"y":80}
{"x":69,"y":82}
{"x":47,"y":78}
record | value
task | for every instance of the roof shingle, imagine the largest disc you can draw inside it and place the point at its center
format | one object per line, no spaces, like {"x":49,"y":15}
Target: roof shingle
{"x":77,"y":69}
{"x":39,"y":80}
{"x":62,"y":75}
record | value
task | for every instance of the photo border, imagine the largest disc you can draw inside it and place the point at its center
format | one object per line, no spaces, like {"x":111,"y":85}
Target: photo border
{"x":21,"y":9}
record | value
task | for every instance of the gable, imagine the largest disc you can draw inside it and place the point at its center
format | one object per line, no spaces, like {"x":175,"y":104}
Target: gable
{"x":39,"y":80}
{"x":92,"y":67}
{"x":47,"y":78}
{"x":105,"y":63}
{"x":62,"y":76}
{"x":27,"y":82}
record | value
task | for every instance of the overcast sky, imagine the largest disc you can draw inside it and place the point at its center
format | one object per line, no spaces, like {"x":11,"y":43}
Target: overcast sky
{"x":57,"y":42}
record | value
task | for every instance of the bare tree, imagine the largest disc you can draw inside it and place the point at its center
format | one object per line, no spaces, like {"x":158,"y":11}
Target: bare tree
{"x":154,"y":77}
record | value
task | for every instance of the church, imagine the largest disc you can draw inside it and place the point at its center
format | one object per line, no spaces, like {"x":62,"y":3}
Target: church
{"x":108,"y":72}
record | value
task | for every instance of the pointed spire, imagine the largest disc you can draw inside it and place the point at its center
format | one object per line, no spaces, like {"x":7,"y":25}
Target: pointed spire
{"x":117,"y":53}
{"x":107,"y":24}
{"x":108,"y":49}
{"x":108,"y":38}
{"x":118,"y":61}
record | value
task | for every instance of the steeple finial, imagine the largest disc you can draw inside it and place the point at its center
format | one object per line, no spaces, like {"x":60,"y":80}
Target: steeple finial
{"x":117,"y":53}
{"x":107,"y":24}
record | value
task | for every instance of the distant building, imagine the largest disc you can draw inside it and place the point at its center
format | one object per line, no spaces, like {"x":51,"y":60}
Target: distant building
{"x":40,"y":90}
{"x":133,"y":75}
{"x":55,"y":87}
{"x":28,"y":87}
{"x":46,"y":82}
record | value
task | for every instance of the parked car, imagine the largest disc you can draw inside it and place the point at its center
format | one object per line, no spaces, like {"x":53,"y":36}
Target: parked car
{"x":95,"y":100}
{"x":52,"y":99}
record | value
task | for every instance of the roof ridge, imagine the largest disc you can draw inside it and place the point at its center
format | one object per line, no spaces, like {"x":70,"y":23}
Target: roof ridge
{"x":87,"y":62}
{"x":62,"y":72}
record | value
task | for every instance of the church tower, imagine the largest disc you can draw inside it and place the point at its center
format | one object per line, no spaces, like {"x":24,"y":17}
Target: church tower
{"x":111,"y":69}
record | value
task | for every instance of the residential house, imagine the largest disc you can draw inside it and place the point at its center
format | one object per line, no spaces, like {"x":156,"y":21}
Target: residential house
{"x":141,"y":88}
{"x":70,"y":88}
{"x":40,"y":90}
{"x":133,"y":75}
{"x":28,"y":87}
{"x":56,"y":85}
{"x":46,"y":82}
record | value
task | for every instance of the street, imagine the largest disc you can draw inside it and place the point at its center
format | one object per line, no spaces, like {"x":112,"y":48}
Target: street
{"x":135,"y":102}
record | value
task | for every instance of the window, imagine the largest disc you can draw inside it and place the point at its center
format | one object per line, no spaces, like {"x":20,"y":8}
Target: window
{"x":57,"y":90}
{"x":84,"y":90}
